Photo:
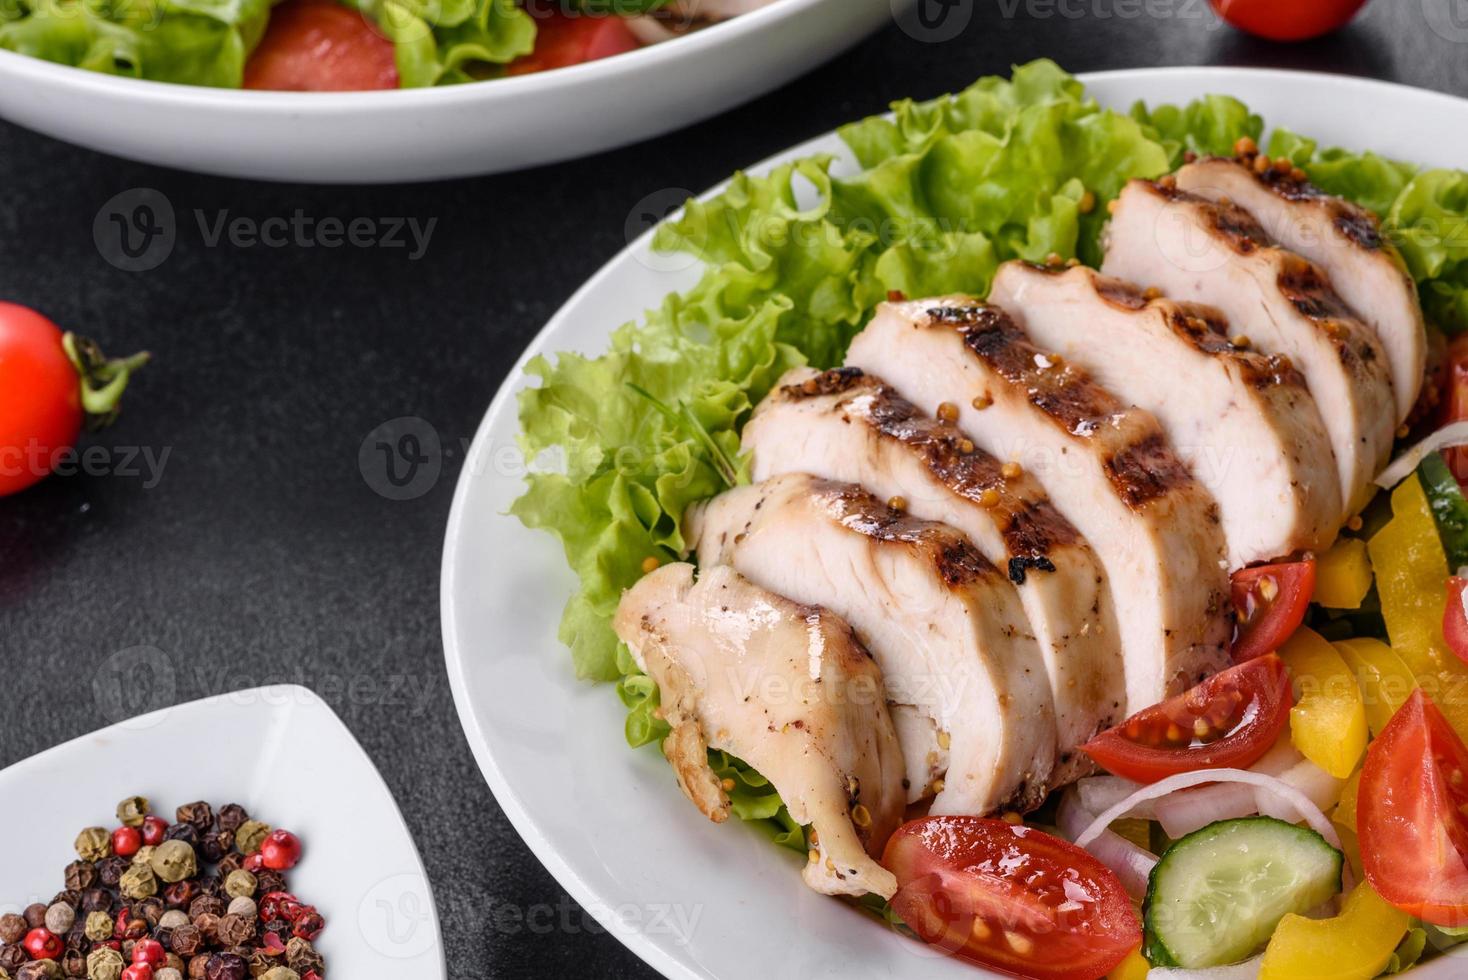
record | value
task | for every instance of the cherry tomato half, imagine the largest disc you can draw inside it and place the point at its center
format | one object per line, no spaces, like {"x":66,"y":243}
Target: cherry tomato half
{"x":40,"y":398}
{"x":321,"y":46}
{"x":1455,"y":618}
{"x":1411,"y":815}
{"x":1271,"y":601}
{"x":563,"y":40}
{"x":1010,"y":898}
{"x":1228,"y":721}
{"x":1288,"y":20}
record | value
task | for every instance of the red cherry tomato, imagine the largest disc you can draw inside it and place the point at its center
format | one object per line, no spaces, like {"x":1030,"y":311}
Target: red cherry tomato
{"x":1411,"y":815}
{"x":1455,"y":403}
{"x":153,"y":830}
{"x":1271,"y":601}
{"x":1228,"y":721}
{"x":149,"y":951}
{"x":280,"y":851}
{"x":1010,"y":898}
{"x":43,"y":944}
{"x":40,"y":398}
{"x":126,"y":841}
{"x":138,"y":971}
{"x":563,"y":40}
{"x":1288,"y":20}
{"x":321,"y":46}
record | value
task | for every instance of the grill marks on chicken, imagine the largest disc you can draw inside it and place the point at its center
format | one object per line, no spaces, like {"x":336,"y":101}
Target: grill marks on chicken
{"x":1344,"y":240}
{"x":1244,"y":422}
{"x":962,"y":670}
{"x":849,"y":426}
{"x":788,"y":689}
{"x":1214,"y":253}
{"x":1105,"y":465}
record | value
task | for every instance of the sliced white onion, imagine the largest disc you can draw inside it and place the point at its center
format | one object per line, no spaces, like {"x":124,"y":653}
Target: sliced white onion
{"x":1182,"y":813}
{"x":1247,"y":970}
{"x":1308,"y":811}
{"x":1104,"y":792}
{"x":1280,"y":759}
{"x":1132,"y":864}
{"x":1319,"y":786}
{"x":1453,"y":434}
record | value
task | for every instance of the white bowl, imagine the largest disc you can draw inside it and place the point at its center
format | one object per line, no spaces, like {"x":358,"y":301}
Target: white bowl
{"x":284,"y":756}
{"x":693,"y":899}
{"x":424,"y":134}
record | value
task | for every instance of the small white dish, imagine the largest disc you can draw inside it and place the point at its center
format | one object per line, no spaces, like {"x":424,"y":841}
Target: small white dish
{"x":282,"y":754}
{"x":426,"y":134}
{"x":693,"y":899}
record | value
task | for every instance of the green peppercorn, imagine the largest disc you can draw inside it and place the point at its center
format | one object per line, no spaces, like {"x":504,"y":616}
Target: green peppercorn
{"x":280,"y":973}
{"x":145,"y":854}
{"x":240,"y":884}
{"x":250,"y":836}
{"x":99,"y":926}
{"x":138,"y":882}
{"x":5,"y":974}
{"x":173,"y":861}
{"x":167,"y":973}
{"x":104,"y":963}
{"x":93,"y":844}
{"x":132,"y":810}
{"x":49,"y":969}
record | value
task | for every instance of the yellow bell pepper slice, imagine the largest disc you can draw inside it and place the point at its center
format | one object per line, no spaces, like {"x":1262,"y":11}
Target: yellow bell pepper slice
{"x":1345,"y":811}
{"x":1134,"y":967}
{"x":1411,"y":578}
{"x":1355,"y":945}
{"x":1343,"y":575}
{"x":1328,"y":721}
{"x":1385,"y":681}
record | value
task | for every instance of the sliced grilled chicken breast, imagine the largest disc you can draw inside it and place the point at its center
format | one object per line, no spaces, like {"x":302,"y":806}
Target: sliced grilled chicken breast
{"x":788,"y":689}
{"x":849,"y":426}
{"x":1343,"y":239}
{"x":1244,"y":422}
{"x":1106,"y":466}
{"x":1208,"y":252}
{"x":946,"y":627}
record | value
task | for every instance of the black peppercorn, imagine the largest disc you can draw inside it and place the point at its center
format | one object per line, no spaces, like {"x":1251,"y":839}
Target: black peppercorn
{"x":35,"y":915}
{"x":37,"y":970}
{"x":110,"y":870}
{"x":199,"y":815}
{"x":96,"y":900}
{"x":181,"y":894}
{"x":150,"y":910}
{"x":302,"y":957}
{"x":280,"y":927}
{"x":206,"y":905}
{"x":236,"y":930}
{"x":12,"y":955}
{"x":69,"y":897}
{"x":12,"y":928}
{"x":269,"y":881}
{"x":231,"y":816}
{"x":187,"y":941}
{"x":215,"y":844}
{"x":211,"y":887}
{"x":80,"y":875}
{"x":74,"y":963}
{"x":226,"y":966}
{"x":233,"y":861}
{"x":184,"y":832}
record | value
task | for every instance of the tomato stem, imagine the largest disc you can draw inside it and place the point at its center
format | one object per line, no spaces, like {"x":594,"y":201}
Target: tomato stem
{"x":102,"y":380}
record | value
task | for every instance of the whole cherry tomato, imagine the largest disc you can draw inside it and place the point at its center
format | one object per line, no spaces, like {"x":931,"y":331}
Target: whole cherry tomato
{"x":1288,"y":20}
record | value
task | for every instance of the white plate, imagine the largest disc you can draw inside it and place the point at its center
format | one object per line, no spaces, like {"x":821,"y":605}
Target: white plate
{"x":608,"y":822}
{"x":284,"y":756}
{"x":424,"y":134}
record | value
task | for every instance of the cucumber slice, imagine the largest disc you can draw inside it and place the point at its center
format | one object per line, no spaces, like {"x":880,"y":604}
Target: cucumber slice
{"x":1217,"y":894}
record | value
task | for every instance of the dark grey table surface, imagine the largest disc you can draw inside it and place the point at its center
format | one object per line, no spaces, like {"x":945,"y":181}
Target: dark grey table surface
{"x":259,"y":553}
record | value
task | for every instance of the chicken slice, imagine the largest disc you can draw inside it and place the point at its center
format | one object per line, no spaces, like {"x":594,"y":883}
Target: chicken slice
{"x":1195,"y":249}
{"x":788,"y":689}
{"x":849,"y":426}
{"x":1106,"y":466}
{"x":1244,"y":422}
{"x":1343,"y":239}
{"x":945,"y":626}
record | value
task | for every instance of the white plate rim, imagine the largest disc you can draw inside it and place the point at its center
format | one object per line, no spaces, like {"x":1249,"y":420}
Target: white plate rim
{"x":643,"y":946}
{"x":606,"y":71}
